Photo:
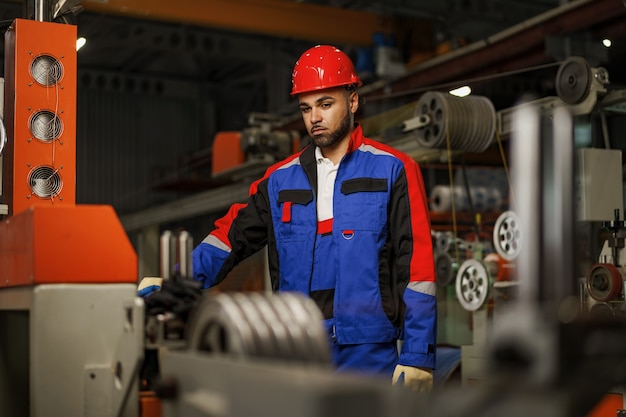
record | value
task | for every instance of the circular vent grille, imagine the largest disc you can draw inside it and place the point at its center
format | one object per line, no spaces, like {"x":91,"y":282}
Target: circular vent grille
{"x":45,"y":181}
{"x":45,"y":126}
{"x":46,"y":70}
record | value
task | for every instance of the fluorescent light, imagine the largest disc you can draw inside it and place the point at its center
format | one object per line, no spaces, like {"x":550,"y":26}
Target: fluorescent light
{"x":606,"y":42}
{"x":461,"y":91}
{"x":80,"y":42}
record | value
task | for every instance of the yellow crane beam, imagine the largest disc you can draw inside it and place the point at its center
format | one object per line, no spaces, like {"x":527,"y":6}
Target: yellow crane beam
{"x":279,"y":18}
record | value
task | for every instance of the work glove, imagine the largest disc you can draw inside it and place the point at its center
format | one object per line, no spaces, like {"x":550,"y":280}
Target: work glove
{"x":416,"y":379}
{"x":176,"y":295}
{"x":148,"y":286}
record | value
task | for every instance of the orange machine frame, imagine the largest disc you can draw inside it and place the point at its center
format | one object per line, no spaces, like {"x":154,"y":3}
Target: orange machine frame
{"x":51,"y":240}
{"x":80,"y":244}
{"x":25,"y":41}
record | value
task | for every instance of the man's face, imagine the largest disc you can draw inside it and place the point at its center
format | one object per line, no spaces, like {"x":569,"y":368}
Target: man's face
{"x":328,"y":115}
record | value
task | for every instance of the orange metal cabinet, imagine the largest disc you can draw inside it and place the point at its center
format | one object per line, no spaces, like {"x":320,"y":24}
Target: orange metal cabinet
{"x":78,"y":244}
{"x":39,"y":166}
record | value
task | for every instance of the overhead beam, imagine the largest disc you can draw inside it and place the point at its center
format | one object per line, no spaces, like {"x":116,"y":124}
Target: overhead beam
{"x":278,"y":18}
{"x":199,"y":204}
{"x":520,"y":46}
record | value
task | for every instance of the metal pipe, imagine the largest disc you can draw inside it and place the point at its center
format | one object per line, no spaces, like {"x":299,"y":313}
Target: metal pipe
{"x":185,"y":246}
{"x":167,"y":254}
{"x":42,"y":10}
{"x":526,"y":179}
{"x":563,"y":227}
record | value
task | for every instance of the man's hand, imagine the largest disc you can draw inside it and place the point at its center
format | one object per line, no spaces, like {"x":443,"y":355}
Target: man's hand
{"x":149,"y":285}
{"x":417,"y":379}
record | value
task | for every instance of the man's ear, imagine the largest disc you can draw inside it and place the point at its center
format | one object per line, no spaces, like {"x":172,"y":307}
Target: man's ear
{"x":354,"y":102}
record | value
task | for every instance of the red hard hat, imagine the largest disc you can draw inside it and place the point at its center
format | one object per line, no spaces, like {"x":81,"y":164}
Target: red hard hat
{"x":322,"y":67}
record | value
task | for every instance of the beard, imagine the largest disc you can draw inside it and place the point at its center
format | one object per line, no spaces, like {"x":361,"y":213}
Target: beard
{"x":327,"y":139}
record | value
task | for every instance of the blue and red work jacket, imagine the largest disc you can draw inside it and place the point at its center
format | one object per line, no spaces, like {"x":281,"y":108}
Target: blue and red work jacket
{"x":385,"y":284}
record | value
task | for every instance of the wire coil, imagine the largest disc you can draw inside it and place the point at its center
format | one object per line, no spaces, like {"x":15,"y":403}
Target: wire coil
{"x":469,"y":122}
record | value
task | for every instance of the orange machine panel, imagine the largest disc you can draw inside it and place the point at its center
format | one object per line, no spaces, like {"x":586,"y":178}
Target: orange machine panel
{"x":227,"y":152}
{"x":608,"y":406}
{"x":150,"y":404}
{"x":77,"y":244}
{"x":39,"y":166}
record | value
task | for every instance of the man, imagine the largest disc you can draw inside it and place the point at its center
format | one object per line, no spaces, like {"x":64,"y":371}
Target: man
{"x":346,"y":223}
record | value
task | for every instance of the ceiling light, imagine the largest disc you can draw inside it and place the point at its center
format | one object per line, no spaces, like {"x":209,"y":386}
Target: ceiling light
{"x":606,"y":42}
{"x":461,"y":91}
{"x":80,"y":42}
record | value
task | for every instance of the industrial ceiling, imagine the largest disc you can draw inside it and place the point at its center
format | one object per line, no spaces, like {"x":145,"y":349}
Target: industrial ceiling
{"x":252,"y":44}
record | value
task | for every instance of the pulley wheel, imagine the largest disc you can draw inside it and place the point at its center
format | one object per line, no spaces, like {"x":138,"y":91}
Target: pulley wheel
{"x":604,"y":282}
{"x":573,"y":80}
{"x":473,"y":283}
{"x":507,"y":235}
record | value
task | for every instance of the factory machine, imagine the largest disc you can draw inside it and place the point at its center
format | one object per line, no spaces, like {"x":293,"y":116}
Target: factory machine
{"x":531,"y":274}
{"x":71,"y":327}
{"x":246,"y":154}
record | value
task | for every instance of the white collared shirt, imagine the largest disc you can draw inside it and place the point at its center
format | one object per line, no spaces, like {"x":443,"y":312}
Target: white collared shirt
{"x":326,"y":175}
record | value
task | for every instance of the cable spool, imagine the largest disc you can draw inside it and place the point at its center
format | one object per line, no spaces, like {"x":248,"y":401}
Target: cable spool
{"x":441,"y":197}
{"x":473,"y":283}
{"x":604,"y":282}
{"x":285,"y":326}
{"x":483,"y":198}
{"x":470,"y":121}
{"x":507,"y":235}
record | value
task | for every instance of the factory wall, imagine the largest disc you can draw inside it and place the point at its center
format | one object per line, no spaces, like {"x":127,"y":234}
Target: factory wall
{"x":127,"y":141}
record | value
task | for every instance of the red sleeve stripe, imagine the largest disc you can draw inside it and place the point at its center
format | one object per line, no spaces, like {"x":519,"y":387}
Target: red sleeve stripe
{"x":422,"y":265}
{"x":223,"y":225}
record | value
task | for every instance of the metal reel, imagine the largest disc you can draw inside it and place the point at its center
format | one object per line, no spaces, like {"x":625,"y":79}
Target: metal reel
{"x":285,"y":326}
{"x":507,"y":235}
{"x":473,"y":284}
{"x":445,"y":269}
{"x":604,"y":282}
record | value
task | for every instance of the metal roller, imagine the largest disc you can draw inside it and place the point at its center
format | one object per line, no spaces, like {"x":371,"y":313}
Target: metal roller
{"x":604,"y":282}
{"x":507,"y":235}
{"x":284,"y":326}
{"x":445,"y":269}
{"x":470,"y":121}
{"x":473,"y":283}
